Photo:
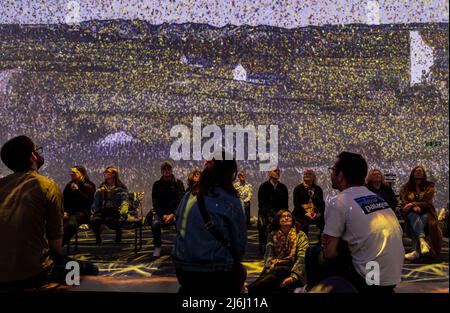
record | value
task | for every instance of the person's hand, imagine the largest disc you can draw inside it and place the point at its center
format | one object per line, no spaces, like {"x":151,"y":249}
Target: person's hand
{"x":407,"y":207}
{"x":417,"y":209}
{"x":168,"y":218}
{"x":287,"y":281}
{"x":74,"y":186}
{"x":325,"y":241}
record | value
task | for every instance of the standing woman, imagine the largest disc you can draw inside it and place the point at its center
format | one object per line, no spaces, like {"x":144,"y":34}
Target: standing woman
{"x":78,"y":197}
{"x":309,"y":206}
{"x":206,"y":264}
{"x":417,"y":202}
{"x":375,"y":183}
{"x":110,"y":205}
{"x":194,"y":181}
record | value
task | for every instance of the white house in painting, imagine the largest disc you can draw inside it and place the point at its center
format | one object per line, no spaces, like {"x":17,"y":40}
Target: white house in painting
{"x":239,"y":73}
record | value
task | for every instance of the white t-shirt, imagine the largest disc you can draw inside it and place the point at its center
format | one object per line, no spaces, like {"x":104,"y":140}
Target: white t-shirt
{"x":372,"y":231}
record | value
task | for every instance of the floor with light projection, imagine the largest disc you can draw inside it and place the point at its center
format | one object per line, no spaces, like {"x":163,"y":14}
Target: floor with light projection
{"x":123,"y":270}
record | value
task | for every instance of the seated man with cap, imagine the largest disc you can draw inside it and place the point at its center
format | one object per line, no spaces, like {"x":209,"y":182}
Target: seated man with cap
{"x":167,"y":193}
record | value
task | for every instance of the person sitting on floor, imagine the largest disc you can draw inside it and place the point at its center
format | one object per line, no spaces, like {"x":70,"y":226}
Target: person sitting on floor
{"x":284,"y":257}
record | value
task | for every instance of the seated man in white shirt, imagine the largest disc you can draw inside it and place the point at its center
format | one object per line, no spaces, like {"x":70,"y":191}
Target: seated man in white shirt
{"x":366,"y":223}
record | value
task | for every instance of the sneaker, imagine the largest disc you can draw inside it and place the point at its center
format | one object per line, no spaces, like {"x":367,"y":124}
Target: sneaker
{"x":424,"y":247}
{"x":412,"y":255}
{"x":157,"y":252}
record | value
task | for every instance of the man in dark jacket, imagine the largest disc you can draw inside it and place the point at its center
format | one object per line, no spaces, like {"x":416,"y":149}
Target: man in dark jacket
{"x":166,"y":195}
{"x":272,"y":197}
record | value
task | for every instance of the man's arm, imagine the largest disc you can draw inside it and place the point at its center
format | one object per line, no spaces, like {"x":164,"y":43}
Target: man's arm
{"x":54,"y":219}
{"x":261,"y":198}
{"x":155,"y":197}
{"x":329,"y":246}
{"x":56,"y":247}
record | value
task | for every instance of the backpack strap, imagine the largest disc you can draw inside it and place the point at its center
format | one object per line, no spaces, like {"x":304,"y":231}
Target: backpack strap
{"x":211,"y":227}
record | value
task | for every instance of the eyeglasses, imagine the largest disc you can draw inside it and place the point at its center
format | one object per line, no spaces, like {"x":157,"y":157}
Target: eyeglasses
{"x":286,"y":216}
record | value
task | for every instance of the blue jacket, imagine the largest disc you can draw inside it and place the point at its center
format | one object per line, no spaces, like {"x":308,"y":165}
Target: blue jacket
{"x":119,"y":200}
{"x":195,"y":247}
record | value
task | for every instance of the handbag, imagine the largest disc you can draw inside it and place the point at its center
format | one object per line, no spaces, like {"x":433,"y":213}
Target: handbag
{"x":239,"y":272}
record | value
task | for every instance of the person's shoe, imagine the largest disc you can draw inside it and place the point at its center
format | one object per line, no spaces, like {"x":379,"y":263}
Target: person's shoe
{"x":412,"y":255}
{"x":424,"y":247}
{"x":157,"y":252}
{"x":118,"y":238}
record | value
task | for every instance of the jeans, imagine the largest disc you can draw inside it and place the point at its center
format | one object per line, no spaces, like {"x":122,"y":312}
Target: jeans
{"x":157,"y":222}
{"x":417,"y":222}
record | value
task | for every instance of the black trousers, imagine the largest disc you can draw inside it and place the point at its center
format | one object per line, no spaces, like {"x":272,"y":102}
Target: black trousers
{"x":269,"y":282}
{"x":72,"y":223}
{"x":207,"y":283}
{"x":110,"y":218}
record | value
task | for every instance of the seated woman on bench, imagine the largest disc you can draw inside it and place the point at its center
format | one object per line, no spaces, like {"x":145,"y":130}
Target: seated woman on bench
{"x":110,"y":205}
{"x":419,"y":212}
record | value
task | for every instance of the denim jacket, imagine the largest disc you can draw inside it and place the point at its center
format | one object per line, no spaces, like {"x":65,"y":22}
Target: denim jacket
{"x":195,"y":247}
{"x":119,"y":200}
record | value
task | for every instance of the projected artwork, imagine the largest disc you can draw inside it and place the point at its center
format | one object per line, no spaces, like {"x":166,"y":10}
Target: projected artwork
{"x":104,"y":84}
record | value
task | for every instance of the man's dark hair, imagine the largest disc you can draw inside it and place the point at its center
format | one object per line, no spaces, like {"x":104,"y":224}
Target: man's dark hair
{"x":15,"y":153}
{"x":353,"y":167}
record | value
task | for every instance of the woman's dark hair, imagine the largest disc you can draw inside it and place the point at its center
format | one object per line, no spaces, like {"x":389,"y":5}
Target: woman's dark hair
{"x":411,"y":184}
{"x":219,"y":173}
{"x":353,"y":167}
{"x":192,"y":185}
{"x":275,"y":225}
{"x":117,"y":181}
